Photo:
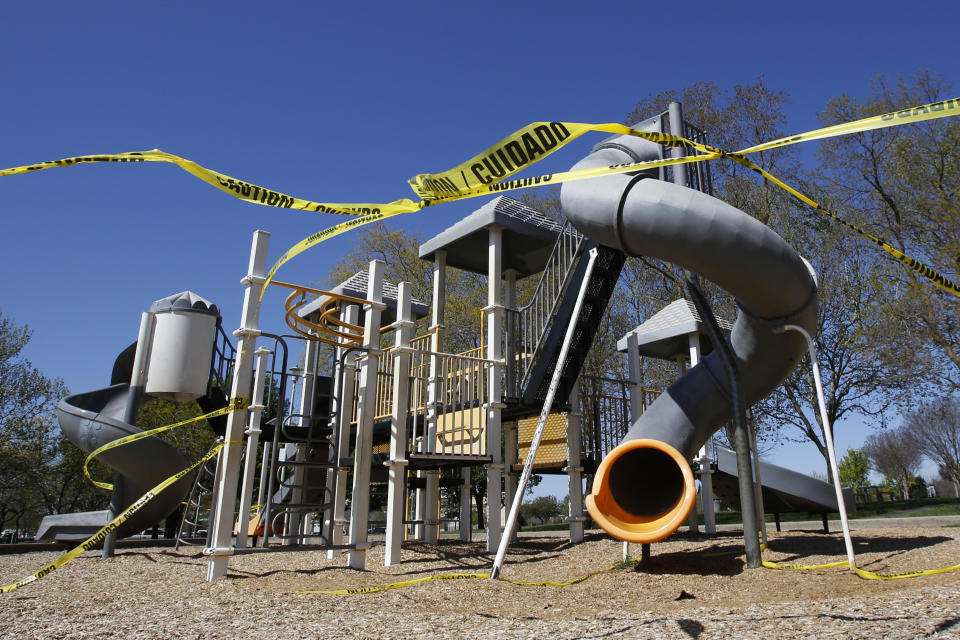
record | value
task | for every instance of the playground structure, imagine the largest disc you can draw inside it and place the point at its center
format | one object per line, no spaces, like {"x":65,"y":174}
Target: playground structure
{"x":396,"y":409}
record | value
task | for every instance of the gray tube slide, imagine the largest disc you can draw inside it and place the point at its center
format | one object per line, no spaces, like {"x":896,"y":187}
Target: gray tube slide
{"x":644,"y":489}
{"x":93,"y":419}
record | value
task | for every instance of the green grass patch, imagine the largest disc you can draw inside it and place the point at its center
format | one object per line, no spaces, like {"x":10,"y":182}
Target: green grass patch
{"x":894,"y":509}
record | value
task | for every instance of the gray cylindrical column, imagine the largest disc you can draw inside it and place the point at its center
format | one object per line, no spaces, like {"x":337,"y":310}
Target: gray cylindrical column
{"x":676,"y":128}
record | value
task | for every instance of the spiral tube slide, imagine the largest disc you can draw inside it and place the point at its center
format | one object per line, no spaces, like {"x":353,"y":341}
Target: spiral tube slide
{"x":91,"y":420}
{"x":644,"y":489}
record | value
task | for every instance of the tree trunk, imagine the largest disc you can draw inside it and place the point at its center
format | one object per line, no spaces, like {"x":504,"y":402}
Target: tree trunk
{"x":478,"y":500}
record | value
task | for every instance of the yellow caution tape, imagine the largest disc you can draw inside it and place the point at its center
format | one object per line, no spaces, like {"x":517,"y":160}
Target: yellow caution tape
{"x":488,"y":172}
{"x":802,"y":567}
{"x":241,"y":189}
{"x":863,"y":573}
{"x":870,"y":575}
{"x":97,"y":538}
{"x":449,"y":576}
{"x":235,"y":404}
{"x":912,"y":115}
{"x":397,"y":585}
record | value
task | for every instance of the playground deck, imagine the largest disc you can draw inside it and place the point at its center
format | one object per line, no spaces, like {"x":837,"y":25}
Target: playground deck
{"x":154,"y":592}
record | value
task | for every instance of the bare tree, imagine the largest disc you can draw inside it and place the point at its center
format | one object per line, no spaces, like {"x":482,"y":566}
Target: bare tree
{"x":892,"y":453}
{"x":902,"y":184}
{"x":934,"y":430}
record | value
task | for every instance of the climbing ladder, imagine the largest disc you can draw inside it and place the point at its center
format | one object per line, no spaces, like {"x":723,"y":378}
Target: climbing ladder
{"x":299,"y":471}
{"x":196,"y":510}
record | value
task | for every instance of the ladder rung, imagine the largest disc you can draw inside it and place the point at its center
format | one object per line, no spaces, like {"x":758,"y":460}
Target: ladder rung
{"x":297,"y":463}
{"x":297,"y":506}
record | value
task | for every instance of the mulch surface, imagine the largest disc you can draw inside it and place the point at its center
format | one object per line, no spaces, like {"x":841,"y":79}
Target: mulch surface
{"x":694,"y":587}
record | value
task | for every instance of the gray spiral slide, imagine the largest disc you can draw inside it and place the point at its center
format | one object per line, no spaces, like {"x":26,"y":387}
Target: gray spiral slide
{"x":93,"y":419}
{"x":644,"y":488}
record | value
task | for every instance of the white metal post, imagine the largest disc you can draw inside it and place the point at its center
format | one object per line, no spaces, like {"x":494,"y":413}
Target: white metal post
{"x":544,"y":414}
{"x":363,"y":450}
{"x":399,"y":412}
{"x":494,"y":311}
{"x":222,"y":518}
{"x":307,"y":395}
{"x":510,"y":454}
{"x":345,"y":396}
{"x":636,"y":376}
{"x":574,"y":467}
{"x":253,"y":442}
{"x":428,"y":498}
{"x":828,"y":436}
{"x":510,"y":444}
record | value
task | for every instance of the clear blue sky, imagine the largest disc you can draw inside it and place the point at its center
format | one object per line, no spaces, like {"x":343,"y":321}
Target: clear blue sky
{"x":343,"y":103}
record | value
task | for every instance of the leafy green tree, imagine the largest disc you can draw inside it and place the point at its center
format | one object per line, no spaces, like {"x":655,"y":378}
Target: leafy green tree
{"x":34,"y":476}
{"x":466,"y":292}
{"x":543,"y":508}
{"x":854,"y":469}
{"x":193,"y":439}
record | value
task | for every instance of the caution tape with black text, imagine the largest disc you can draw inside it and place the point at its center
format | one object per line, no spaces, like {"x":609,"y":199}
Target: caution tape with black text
{"x":488,"y":172}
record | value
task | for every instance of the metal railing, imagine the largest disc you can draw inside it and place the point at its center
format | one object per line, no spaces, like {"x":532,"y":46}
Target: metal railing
{"x":527,"y":326}
{"x":605,"y":413}
{"x":455,"y":422}
{"x":224,"y":359}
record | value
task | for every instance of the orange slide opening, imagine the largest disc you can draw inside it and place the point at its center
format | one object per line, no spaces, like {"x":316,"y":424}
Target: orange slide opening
{"x":642,"y":492}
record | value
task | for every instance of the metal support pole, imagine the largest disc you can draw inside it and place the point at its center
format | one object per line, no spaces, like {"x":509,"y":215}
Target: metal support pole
{"x":222,"y":516}
{"x":510,"y":443}
{"x":828,"y":436}
{"x":253,"y":441}
{"x":676,"y":128}
{"x":510,"y":456}
{"x":633,"y":367}
{"x":304,"y":453}
{"x":757,"y":480}
{"x":544,"y":414}
{"x":748,"y":510}
{"x":494,"y":311}
{"x":138,"y":380}
{"x":693,"y":342}
{"x":428,"y":496}
{"x":574,"y":468}
{"x":397,"y":480}
{"x":363,"y":450}
{"x":347,"y":376}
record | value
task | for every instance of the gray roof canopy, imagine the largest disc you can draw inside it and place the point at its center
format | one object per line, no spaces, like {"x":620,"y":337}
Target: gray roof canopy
{"x":356,"y":287}
{"x":664,"y":334}
{"x":528,"y":238}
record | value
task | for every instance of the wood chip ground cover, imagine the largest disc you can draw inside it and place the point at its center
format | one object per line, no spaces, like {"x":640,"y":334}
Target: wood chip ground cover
{"x":157,"y":592}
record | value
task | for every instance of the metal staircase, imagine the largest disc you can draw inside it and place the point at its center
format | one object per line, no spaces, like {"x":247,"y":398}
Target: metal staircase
{"x":527,"y":326}
{"x":535,"y":336}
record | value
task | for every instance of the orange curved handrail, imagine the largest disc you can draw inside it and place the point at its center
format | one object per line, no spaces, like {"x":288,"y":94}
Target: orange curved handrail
{"x":330,"y":329}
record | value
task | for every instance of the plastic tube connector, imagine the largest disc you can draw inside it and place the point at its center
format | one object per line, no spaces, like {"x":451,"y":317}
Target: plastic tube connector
{"x":642,"y":491}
